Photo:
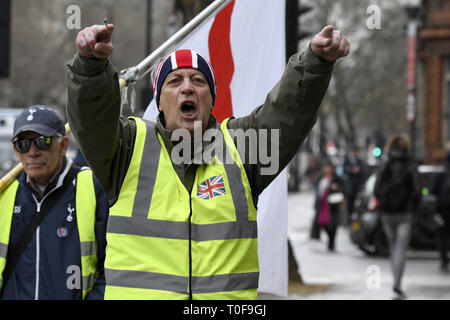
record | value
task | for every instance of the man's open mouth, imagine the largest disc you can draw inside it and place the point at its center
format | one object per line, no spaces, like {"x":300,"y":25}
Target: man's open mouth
{"x":189,"y":109}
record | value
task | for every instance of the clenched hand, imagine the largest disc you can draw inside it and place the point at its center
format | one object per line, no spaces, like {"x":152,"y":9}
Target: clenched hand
{"x":95,"y":41}
{"x":329,"y":44}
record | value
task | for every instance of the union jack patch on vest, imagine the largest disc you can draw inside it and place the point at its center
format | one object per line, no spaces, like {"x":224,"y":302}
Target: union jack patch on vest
{"x":211,"y":187}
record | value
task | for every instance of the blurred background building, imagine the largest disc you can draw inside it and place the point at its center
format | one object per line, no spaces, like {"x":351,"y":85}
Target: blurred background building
{"x":434,"y":39}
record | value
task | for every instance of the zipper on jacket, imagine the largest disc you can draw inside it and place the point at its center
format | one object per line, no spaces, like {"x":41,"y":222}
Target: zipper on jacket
{"x":38,"y":209}
{"x":190,"y":248}
{"x":36,"y":292}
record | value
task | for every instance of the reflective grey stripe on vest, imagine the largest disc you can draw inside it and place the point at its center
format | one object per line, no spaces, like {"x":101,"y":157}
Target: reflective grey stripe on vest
{"x":3,"y":250}
{"x":225,"y":282}
{"x":180,"y":229}
{"x":89,"y":281}
{"x":167,"y":282}
{"x":147,"y":172}
{"x":88,"y":248}
{"x":236,"y":185}
{"x":146,"y":280}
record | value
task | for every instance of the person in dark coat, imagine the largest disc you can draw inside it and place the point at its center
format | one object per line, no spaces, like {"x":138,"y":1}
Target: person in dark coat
{"x":398,"y":192}
{"x":329,"y":202}
{"x":354,"y":170}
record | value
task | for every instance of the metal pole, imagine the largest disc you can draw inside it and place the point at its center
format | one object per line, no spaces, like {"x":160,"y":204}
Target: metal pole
{"x":133,"y":74}
{"x":147,"y":92}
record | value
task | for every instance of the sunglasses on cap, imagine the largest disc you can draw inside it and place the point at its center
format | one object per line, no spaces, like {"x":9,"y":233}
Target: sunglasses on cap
{"x":41,"y":142}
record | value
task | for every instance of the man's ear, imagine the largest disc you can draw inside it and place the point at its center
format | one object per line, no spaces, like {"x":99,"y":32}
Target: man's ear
{"x":64,"y":146}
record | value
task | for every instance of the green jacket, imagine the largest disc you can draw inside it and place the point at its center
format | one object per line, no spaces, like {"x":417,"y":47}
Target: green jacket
{"x":106,"y":138}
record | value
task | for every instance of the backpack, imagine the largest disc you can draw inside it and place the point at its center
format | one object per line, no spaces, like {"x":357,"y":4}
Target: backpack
{"x":393,"y":189}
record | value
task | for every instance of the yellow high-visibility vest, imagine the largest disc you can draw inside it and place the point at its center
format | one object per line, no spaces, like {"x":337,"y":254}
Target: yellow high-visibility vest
{"x":166,"y":243}
{"x":85,"y":202}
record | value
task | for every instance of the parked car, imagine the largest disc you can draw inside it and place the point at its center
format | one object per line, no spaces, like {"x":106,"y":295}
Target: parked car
{"x":366,"y":230}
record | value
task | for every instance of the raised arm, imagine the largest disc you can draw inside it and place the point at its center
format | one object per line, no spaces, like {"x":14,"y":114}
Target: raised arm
{"x":93,"y":108}
{"x":291,"y":107}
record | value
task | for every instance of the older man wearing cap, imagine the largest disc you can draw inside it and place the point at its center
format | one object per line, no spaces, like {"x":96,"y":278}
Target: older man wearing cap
{"x":52,"y":218}
{"x":186,"y":230}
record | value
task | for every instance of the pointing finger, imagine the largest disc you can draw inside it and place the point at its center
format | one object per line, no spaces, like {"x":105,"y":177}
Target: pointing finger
{"x":327,"y":31}
{"x":104,"y":32}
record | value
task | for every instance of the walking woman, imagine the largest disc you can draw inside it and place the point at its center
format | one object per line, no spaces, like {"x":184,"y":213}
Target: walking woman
{"x":329,"y":201}
{"x":398,"y":193}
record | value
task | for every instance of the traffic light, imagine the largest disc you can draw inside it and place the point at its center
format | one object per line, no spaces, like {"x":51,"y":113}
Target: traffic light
{"x":376,"y":152}
{"x":293,"y":31}
{"x":5,"y":10}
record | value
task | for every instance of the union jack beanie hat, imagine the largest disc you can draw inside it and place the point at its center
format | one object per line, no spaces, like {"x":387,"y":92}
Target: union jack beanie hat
{"x":184,"y":58}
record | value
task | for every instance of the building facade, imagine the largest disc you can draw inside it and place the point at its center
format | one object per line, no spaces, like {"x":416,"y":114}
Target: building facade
{"x":434,"y":52}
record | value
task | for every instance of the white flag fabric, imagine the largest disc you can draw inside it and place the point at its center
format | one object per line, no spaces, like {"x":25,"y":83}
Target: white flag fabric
{"x":245,"y":42}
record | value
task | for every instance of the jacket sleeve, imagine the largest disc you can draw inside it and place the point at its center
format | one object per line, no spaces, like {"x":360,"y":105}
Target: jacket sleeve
{"x":93,"y":109}
{"x":98,"y":291}
{"x":291,"y":108}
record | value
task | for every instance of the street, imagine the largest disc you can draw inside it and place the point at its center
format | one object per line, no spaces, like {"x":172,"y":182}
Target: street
{"x":349,"y":274}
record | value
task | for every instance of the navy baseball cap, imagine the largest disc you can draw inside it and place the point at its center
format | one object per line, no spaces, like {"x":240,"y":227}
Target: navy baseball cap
{"x":40,"y":119}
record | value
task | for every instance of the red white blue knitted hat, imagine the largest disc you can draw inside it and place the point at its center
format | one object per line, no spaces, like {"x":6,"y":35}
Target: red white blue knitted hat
{"x":184,"y":58}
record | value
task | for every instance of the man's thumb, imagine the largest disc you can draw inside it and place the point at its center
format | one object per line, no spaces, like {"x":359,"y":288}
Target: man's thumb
{"x":328,"y":31}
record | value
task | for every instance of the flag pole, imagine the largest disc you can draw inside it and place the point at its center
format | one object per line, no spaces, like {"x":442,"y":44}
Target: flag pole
{"x":133,"y":74}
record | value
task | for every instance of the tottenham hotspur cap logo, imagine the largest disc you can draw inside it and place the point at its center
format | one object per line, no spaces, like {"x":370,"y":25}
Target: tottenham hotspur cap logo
{"x":40,"y":119}
{"x":31,"y":111}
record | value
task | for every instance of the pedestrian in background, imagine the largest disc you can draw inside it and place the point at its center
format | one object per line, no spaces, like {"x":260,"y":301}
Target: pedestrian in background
{"x":398,"y":192}
{"x":52,"y":218}
{"x":354,"y":171}
{"x":329,"y":203}
{"x":442,"y":217}
{"x":313,"y":171}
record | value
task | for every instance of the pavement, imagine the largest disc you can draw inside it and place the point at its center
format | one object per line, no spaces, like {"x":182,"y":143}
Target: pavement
{"x":348,"y":273}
